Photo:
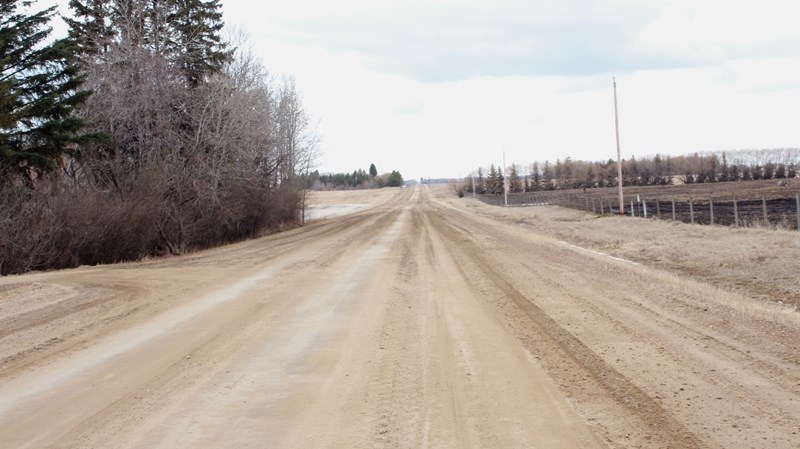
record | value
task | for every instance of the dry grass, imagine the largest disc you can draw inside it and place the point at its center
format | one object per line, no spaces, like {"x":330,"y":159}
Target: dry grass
{"x":343,"y":197}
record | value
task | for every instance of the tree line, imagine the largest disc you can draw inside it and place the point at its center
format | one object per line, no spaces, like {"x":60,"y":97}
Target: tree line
{"x":359,"y":179}
{"x":741,"y":165}
{"x":143,"y":132}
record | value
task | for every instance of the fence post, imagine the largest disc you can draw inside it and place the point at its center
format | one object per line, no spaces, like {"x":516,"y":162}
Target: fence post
{"x":602,"y":212}
{"x":658,"y":208}
{"x":735,"y":211}
{"x":673,"y":208}
{"x":691,"y":210}
{"x":711,"y":209}
{"x":633,"y":211}
{"x":797,"y":197}
{"x":644,"y":205}
{"x":764,"y":207}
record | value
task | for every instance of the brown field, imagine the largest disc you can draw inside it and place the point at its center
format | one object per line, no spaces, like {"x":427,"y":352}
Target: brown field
{"x":722,"y":190}
{"x":413,"y":318}
{"x":781,"y":202}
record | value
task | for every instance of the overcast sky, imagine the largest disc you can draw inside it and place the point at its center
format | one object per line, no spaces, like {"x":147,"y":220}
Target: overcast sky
{"x":432,"y":88}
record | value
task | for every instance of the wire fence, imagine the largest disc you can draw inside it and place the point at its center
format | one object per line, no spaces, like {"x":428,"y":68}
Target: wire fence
{"x":743,"y":211}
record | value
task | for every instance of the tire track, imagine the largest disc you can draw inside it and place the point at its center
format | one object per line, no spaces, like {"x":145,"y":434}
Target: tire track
{"x":659,"y":428}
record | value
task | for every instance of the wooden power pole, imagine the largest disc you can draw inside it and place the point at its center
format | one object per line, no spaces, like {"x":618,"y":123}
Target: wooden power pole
{"x":619,"y":154}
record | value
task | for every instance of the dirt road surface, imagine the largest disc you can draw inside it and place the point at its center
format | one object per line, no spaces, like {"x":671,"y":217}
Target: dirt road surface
{"x":408,"y":323}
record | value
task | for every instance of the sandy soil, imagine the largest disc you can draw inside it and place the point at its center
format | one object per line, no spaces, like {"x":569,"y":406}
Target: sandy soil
{"x":417,"y":320}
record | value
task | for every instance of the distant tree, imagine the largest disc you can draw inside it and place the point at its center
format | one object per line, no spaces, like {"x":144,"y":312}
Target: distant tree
{"x":395,"y":179}
{"x":712,"y":169}
{"x":756,"y":172}
{"x":780,"y":171}
{"x":480,"y":183}
{"x":373,"y":171}
{"x":501,"y":181}
{"x":39,"y":90}
{"x":747,"y":173}
{"x":725,"y":170}
{"x":514,"y":182}
{"x":733,"y":172}
{"x":566,"y":173}
{"x":547,"y":175}
{"x":493,"y":181}
{"x":610,"y":173}
{"x":589,"y":177}
{"x":536,"y":176}
{"x":559,"y":173}
{"x":769,"y":170}
{"x":630,"y":171}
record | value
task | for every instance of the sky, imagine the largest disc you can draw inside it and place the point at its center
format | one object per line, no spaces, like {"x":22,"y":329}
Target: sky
{"x":436,"y":88}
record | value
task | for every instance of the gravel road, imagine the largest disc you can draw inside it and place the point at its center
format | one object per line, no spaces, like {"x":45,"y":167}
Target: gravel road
{"x":408,"y":324}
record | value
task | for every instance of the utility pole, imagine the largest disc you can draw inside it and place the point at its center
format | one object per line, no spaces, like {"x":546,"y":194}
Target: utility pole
{"x":505,"y":187}
{"x":619,"y":154}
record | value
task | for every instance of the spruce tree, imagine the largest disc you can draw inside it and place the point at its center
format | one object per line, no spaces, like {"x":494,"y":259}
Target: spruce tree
{"x":39,"y":88}
{"x":91,"y":27}
{"x":197,"y":46}
{"x":395,"y":179}
{"x":492,"y":180}
{"x":514,"y":183}
{"x":480,"y":184}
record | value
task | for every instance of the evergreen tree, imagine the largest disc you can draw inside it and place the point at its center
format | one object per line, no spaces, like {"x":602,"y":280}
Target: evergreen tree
{"x":395,"y":179}
{"x":39,"y":88}
{"x":547,"y":175}
{"x":514,"y":183}
{"x":495,"y":182}
{"x":491,"y":180}
{"x":501,"y":181}
{"x":91,"y":28}
{"x":480,"y":183}
{"x":536,"y":176}
{"x":197,"y":46}
{"x":162,"y":26}
{"x":373,"y":171}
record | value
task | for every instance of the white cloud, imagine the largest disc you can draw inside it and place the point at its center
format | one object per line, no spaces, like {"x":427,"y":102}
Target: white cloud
{"x":441,"y":42}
